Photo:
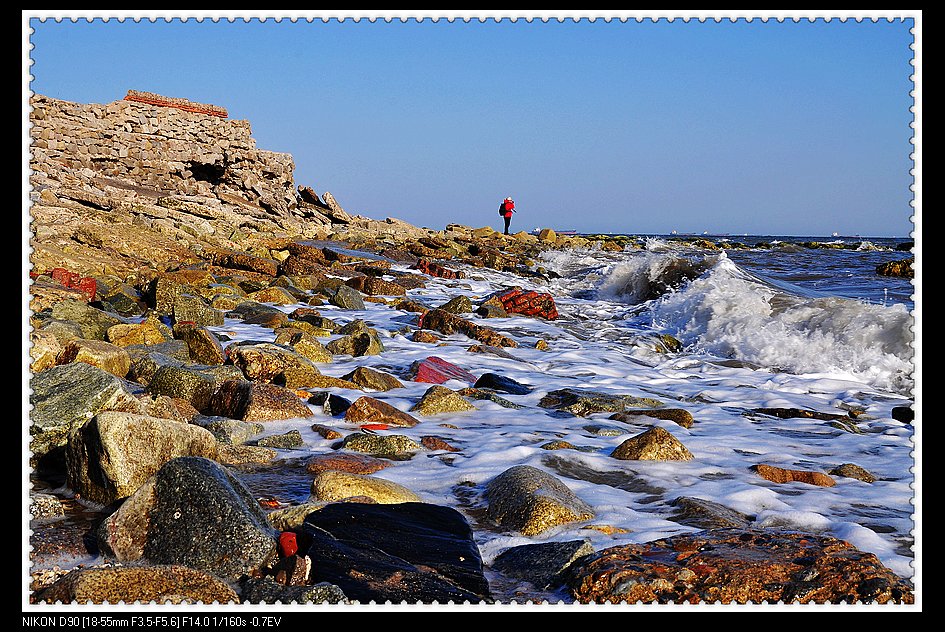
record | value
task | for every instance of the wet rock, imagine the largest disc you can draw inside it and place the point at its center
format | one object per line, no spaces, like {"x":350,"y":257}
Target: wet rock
{"x":491,"y":310}
{"x":436,"y":443}
{"x":286,"y":441}
{"x":529,"y":500}
{"x":424,"y":336}
{"x":272,"y":363}
{"x":332,"y":405}
{"x":528,"y":303}
{"x":372,"y":379}
{"x":98,"y":353}
{"x":267,"y":590}
{"x":852,"y":470}
{"x":357,"y":345}
{"x":291,"y":518}
{"x":196,"y":383}
{"x":656,"y":444}
{"x":584,"y":402}
{"x":303,"y":343}
{"x":476,"y":393}
{"x":326,"y":432}
{"x":605,"y":431}
{"x":202,"y":345}
{"x":502,"y":383}
{"x":345,"y":462}
{"x":347,"y":298}
{"x":439,"y":399}
{"x":435,"y":370}
{"x":791,"y":413}
{"x":408,"y":305}
{"x":706,"y":514}
{"x":93,"y":323}
{"x":396,"y":447}
{"x":334,"y":486}
{"x":112,"y":455}
{"x":448,"y":324}
{"x":63,"y":398}
{"x":326,"y":381}
{"x":194,"y":513}
{"x":543,"y":564}
{"x":252,"y":401}
{"x":435,"y":269}
{"x":373,"y":286}
{"x":781,"y":475}
{"x":457,"y":305}
{"x":413,"y":552}
{"x":678,"y":415}
{"x":905,"y":414}
{"x":161,"y":584}
{"x":370,"y":410}
{"x":902,"y":268}
{"x":737,"y":566}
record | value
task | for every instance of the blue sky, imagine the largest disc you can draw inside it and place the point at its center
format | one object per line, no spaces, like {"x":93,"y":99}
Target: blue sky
{"x":746,"y":127}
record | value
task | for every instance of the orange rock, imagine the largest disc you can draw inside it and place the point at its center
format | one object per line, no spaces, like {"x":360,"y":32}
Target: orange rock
{"x":781,"y":475}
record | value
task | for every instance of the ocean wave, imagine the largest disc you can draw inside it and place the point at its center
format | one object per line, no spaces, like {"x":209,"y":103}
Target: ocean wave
{"x":715,"y":307}
{"x":731,"y":313}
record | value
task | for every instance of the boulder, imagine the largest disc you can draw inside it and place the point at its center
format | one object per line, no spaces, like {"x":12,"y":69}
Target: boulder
{"x":368,"y":378}
{"x":435,"y":370}
{"x":582,"y":402}
{"x":334,"y":486}
{"x":370,"y":410}
{"x":656,"y":444}
{"x":544,"y":564}
{"x":253,"y":401}
{"x":396,"y":447}
{"x":163,"y":584}
{"x":528,"y":500}
{"x":194,"y":513}
{"x":737,"y":566}
{"x":63,"y":398}
{"x":414,"y":552}
{"x":113,"y":454}
{"x":439,"y":399}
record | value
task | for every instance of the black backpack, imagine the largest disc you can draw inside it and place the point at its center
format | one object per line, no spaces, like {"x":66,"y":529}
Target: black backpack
{"x":502,"y":209}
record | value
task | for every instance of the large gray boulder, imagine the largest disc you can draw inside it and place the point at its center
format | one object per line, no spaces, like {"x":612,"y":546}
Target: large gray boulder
{"x":65,"y":397}
{"x":192,"y":512}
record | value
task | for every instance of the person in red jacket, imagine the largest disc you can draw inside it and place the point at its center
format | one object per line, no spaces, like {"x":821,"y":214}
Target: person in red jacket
{"x":505,"y":210}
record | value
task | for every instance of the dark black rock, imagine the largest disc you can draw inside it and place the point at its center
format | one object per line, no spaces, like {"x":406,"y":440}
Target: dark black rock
{"x":203,"y":517}
{"x":501,"y":383}
{"x":905,"y":414}
{"x":413,"y":552}
{"x":542,"y":564}
{"x":333,"y":405}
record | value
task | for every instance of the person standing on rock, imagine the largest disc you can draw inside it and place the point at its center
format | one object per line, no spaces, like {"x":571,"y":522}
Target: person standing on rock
{"x":505,"y":210}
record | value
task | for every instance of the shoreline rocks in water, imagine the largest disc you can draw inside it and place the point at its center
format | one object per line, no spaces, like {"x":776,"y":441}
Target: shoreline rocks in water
{"x":152,"y":417}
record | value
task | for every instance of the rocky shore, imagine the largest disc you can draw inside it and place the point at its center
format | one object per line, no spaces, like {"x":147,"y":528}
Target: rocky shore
{"x":153,"y":222}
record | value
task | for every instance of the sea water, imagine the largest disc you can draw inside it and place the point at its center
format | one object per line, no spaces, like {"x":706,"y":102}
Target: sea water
{"x":779,"y":326}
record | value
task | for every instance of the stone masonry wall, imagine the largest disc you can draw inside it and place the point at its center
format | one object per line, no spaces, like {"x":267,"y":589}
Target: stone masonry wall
{"x":167,"y":149}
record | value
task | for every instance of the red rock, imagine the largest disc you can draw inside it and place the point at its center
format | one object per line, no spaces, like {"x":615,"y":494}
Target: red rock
{"x":73,"y":280}
{"x":288,"y":546}
{"x":374,"y":426}
{"x":434,"y":269}
{"x":738,"y":566}
{"x":350,"y":462}
{"x":529,"y":303}
{"x":434,"y":370}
